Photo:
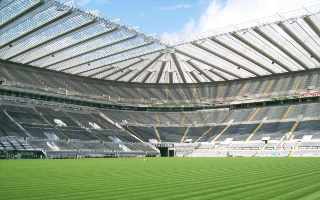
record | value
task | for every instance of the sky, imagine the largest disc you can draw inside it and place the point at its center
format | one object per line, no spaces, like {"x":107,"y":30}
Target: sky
{"x":177,"y":20}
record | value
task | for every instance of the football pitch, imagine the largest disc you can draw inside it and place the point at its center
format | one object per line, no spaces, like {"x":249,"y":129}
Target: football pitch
{"x":161,"y":178}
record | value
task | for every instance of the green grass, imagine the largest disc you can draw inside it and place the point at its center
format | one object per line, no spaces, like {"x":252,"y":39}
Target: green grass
{"x":158,"y":178}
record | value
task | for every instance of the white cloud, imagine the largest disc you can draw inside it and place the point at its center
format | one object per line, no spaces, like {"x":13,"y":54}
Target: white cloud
{"x":187,"y":32}
{"x":233,"y":12}
{"x":176,"y":7}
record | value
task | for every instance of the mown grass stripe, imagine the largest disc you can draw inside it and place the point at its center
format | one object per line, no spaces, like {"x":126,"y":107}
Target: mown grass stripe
{"x":160,"y":179}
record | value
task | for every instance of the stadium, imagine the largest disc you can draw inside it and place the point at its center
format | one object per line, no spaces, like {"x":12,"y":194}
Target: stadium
{"x":237,"y":108}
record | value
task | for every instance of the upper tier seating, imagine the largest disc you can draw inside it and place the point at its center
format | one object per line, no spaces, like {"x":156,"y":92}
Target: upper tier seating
{"x":281,"y":85}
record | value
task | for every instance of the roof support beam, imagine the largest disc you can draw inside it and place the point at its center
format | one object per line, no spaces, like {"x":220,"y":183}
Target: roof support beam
{"x":117,"y":71}
{"x":123,"y":75}
{"x":225,"y":59}
{"x":312,"y":25}
{"x":243,"y":55}
{"x":145,"y":67}
{"x":133,"y":48}
{"x":217,"y":73}
{"x":170,"y":77}
{"x":209,"y":64}
{"x":87,"y":52}
{"x":301,"y":43}
{"x":146,"y":77}
{"x":52,"y":39}
{"x":177,"y":64}
{"x":73,"y":45}
{"x":163,"y":64}
{"x":315,"y":29}
{"x":265,"y":54}
{"x":37,"y":28}
{"x":201,"y":71}
{"x":195,"y":77}
{"x":119,"y":61}
{"x":285,"y":51}
{"x":106,"y":70}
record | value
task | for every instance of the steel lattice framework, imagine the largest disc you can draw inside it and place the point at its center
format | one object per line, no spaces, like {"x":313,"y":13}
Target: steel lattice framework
{"x":50,"y":35}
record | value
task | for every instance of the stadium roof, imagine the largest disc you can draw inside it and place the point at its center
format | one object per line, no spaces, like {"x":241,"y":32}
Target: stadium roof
{"x":50,"y":35}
